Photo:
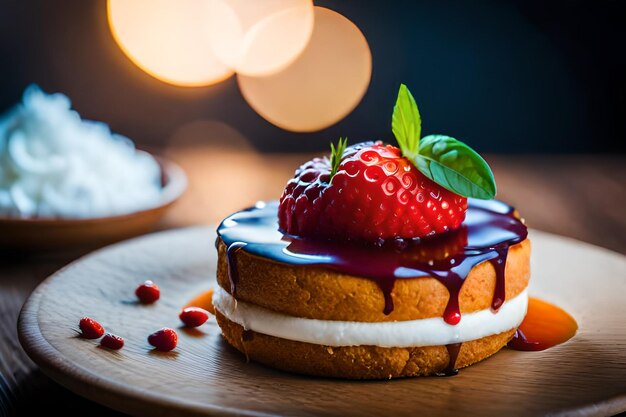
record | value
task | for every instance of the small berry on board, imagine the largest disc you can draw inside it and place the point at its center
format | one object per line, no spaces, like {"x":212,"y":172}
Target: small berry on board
{"x":90,"y":329}
{"x":112,"y":341}
{"x":148,"y":292}
{"x":194,"y":316}
{"x":163,"y":340}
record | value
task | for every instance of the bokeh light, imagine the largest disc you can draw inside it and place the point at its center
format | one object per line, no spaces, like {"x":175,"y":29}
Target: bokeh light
{"x":322,"y":86}
{"x":212,"y":152}
{"x":214,"y":133}
{"x":259,"y":37}
{"x":167,"y":40}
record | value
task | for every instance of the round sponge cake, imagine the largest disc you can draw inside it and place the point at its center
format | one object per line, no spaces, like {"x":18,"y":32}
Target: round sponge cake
{"x":355,"y":362}
{"x":318,"y":293}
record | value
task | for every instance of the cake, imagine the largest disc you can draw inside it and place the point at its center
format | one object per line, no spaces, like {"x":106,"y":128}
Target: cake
{"x":374,"y":264}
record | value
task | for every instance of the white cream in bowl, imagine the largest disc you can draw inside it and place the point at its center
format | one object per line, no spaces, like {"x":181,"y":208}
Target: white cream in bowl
{"x":53,"y":164}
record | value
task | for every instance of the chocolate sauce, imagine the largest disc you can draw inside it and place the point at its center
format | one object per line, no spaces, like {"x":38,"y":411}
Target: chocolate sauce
{"x":520,"y":342}
{"x":499,"y":263}
{"x":453,"y":354}
{"x":232,"y":250}
{"x":488,"y":231}
{"x":247,"y":335}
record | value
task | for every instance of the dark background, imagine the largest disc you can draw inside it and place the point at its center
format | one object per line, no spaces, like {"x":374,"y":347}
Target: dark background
{"x":505,"y":76}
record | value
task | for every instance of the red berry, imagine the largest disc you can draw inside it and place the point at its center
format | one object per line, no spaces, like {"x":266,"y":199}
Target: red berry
{"x":164,"y":339}
{"x":194,"y":316}
{"x":376,"y":195}
{"x":112,"y":341}
{"x":148,"y":292}
{"x":90,"y":328}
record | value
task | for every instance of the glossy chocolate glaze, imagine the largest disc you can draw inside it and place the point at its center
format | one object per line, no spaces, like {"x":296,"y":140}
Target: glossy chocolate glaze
{"x":488,"y":231}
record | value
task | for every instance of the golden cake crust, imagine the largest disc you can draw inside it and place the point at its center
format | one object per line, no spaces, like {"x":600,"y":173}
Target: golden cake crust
{"x":320,"y":293}
{"x":355,"y":362}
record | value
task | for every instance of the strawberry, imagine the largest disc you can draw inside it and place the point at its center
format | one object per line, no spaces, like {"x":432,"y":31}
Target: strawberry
{"x":375,"y":195}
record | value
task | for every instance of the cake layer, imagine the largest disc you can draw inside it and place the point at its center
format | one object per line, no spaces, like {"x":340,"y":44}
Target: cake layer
{"x":423,"y":332}
{"x":355,"y":362}
{"x":316,"y":292}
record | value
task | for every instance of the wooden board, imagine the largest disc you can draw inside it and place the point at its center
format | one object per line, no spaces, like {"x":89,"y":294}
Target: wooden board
{"x":586,"y":376}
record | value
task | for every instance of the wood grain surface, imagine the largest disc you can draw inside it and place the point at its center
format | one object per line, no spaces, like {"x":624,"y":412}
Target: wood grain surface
{"x":204,"y":375}
{"x":578,"y":196}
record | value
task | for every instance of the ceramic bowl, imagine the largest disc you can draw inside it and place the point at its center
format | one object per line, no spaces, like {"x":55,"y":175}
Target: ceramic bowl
{"x":52,"y":234}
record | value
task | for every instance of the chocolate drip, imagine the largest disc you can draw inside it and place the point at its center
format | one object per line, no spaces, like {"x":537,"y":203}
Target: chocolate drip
{"x":490,"y":228}
{"x":452,"y":313}
{"x":247,"y":335}
{"x":453,"y":353}
{"x":499,"y":264}
{"x":520,"y":342}
{"x":233,"y":274}
{"x":386,"y":286}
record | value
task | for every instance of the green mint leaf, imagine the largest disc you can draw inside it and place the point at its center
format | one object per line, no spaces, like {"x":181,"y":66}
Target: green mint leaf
{"x":455,"y":166}
{"x":406,"y":123}
{"x":336,"y":153}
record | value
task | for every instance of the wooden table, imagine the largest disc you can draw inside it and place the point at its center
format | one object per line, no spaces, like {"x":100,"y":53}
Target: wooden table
{"x":578,"y":196}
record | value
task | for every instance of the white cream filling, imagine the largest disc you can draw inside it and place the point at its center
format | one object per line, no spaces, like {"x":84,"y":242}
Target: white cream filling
{"x":425,"y":332}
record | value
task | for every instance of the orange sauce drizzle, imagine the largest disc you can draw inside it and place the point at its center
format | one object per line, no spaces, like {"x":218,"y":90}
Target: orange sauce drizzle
{"x":203,"y":301}
{"x":544,"y":326}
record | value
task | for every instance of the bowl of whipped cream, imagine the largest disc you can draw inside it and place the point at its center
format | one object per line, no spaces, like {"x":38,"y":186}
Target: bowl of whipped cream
{"x":70,"y":182}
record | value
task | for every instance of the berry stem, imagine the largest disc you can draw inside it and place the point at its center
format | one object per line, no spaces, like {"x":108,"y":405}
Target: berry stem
{"x":336,"y":153}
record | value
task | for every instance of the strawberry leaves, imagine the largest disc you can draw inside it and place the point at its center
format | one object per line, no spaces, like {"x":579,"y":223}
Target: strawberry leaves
{"x":406,"y":122}
{"x":456,"y":167}
{"x":445,"y":160}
